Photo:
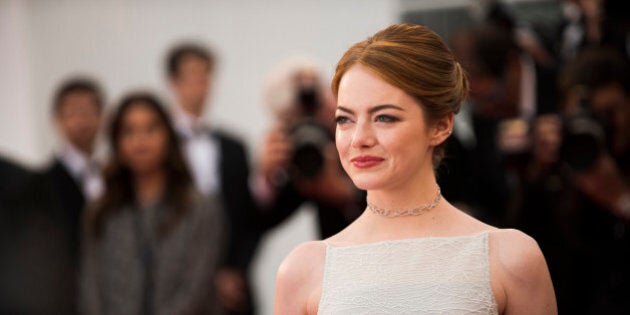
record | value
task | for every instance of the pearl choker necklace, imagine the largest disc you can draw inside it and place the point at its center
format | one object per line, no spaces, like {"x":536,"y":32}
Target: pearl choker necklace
{"x":392,"y":213}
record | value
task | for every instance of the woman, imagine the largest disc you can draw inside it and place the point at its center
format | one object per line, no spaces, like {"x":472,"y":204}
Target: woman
{"x":151,"y":242}
{"x":410,"y":252}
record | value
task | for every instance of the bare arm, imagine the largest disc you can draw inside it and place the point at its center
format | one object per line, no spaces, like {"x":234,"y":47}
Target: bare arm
{"x":298,"y":282}
{"x":523,"y":275}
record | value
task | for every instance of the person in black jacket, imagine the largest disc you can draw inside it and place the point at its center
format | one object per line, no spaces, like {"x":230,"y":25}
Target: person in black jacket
{"x":74,"y":176}
{"x":42,"y":218}
{"x":13,"y":178}
{"x":299,"y":163}
{"x":73,"y":179}
{"x":218,"y":163}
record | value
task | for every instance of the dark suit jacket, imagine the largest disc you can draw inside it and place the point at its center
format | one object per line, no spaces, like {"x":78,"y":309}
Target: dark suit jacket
{"x":13,"y":179}
{"x":39,"y":245}
{"x":240,"y":209}
{"x":66,"y":196}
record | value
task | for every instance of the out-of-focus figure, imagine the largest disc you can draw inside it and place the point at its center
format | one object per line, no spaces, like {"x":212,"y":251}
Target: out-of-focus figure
{"x":576,"y":185}
{"x":596,"y":150}
{"x":581,"y":27}
{"x":42,"y":237}
{"x":74,"y":176}
{"x":592,"y":23}
{"x":151,"y":243}
{"x":299,"y":162}
{"x":219,"y":166}
{"x":14,"y":181}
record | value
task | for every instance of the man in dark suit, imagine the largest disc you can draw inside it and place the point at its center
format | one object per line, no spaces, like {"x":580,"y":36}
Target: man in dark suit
{"x":41,"y":218}
{"x":74,"y":176}
{"x":219,"y":165}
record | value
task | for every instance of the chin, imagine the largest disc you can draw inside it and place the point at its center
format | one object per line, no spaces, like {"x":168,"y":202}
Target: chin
{"x":368,"y":181}
{"x":144,"y":167}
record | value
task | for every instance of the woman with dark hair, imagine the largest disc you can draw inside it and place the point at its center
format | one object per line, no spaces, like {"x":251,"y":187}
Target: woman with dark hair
{"x":151,"y":242}
{"x":410,"y":252}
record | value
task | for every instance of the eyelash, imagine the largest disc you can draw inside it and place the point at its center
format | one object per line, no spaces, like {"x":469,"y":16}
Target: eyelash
{"x":380,"y":118}
{"x":341,"y":119}
{"x":386,"y":119}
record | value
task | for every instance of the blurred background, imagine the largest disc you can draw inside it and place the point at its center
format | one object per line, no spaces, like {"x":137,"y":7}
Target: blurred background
{"x":547,"y":122}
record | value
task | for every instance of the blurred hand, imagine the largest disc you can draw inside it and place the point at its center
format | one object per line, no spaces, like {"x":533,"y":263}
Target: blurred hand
{"x":604,"y":185}
{"x":275,"y":154}
{"x":331,"y":186}
{"x":231,"y":290}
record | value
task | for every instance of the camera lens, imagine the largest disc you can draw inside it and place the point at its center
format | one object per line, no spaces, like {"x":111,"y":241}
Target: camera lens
{"x":310,"y":140}
{"x":582,"y":144}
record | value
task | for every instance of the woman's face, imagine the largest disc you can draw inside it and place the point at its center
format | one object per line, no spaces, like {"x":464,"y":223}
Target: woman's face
{"x":382,"y":136}
{"x":143,"y":140}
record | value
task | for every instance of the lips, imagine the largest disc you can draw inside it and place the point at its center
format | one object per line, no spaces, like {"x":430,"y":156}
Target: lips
{"x":366,"y":161}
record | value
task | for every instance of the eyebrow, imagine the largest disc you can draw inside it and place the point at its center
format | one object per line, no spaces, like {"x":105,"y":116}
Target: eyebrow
{"x":373,"y":109}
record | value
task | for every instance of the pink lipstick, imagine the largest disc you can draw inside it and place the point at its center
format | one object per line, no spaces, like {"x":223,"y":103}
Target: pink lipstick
{"x":366,"y":161}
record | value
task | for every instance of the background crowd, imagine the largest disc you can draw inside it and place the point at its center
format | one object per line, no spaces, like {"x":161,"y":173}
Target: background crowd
{"x":171,"y":220}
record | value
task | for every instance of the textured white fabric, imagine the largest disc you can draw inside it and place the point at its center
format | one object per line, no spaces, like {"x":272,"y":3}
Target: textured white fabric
{"x":435,"y":275}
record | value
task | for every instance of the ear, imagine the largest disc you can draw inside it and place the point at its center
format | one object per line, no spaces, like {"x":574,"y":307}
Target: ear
{"x":442,"y":129}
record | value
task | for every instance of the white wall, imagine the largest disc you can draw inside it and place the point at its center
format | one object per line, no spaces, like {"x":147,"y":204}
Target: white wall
{"x":18,"y":131}
{"x":123,"y":44}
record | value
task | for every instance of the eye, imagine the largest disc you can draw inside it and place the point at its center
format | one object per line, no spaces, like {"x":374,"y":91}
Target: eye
{"x":340,"y":120}
{"x":386,"y":119}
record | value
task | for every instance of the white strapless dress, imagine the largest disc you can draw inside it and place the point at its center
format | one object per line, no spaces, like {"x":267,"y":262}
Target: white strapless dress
{"x":433,"y":275}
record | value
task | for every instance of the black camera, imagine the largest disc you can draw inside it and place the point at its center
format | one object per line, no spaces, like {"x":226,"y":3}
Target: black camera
{"x":309,"y":137}
{"x":585,"y":137}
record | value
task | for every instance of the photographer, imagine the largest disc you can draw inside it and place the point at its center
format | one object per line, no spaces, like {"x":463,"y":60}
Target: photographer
{"x":595,"y":151}
{"x":574,"y":187}
{"x":596,"y":137}
{"x":299,"y":162}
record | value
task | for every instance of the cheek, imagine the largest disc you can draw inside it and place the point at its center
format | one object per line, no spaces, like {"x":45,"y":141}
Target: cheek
{"x":185,"y":89}
{"x":158,"y":145}
{"x":73,"y":124}
{"x":342,"y":141}
{"x":405,"y":143}
{"x":95,"y":122}
{"x":124,"y":148}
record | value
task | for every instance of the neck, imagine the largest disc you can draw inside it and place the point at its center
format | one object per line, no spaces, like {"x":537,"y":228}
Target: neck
{"x":149,"y":186}
{"x":417,"y":192}
{"x":195,"y":110}
{"x":83,"y":149}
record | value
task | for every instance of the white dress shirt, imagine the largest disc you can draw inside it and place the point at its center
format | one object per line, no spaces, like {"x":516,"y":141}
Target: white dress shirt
{"x":200,"y":149}
{"x":85,"y":170}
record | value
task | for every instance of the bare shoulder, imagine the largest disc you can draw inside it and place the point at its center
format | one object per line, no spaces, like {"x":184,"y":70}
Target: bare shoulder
{"x":520,"y":277}
{"x":299,"y":278}
{"x":516,"y":252}
{"x":302,"y":260}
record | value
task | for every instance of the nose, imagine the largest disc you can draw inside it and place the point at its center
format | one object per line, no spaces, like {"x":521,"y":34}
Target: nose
{"x":363,"y":136}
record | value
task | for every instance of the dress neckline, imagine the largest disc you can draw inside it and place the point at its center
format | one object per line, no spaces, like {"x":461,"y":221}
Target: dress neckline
{"x":409,"y":240}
